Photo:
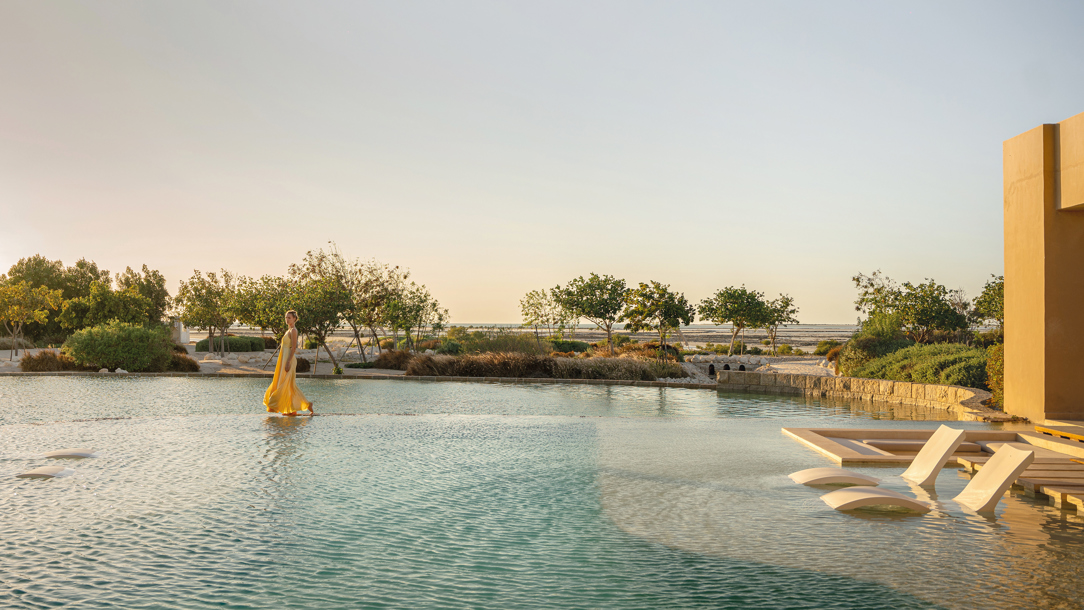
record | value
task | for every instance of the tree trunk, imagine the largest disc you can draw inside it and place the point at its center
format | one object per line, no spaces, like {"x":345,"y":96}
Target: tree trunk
{"x":743,"y":341}
{"x":357,"y":337}
{"x":610,"y":338}
{"x":733,"y":336}
{"x":334,"y":363}
{"x":376,"y":340}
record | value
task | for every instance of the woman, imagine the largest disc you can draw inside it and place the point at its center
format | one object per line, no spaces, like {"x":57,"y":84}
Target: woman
{"x":283,"y":395}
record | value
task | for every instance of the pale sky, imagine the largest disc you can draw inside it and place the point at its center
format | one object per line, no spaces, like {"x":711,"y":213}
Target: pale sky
{"x":500,"y":147}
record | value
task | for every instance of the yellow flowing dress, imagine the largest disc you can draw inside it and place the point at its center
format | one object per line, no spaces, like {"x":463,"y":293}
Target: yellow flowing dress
{"x":283,"y":395}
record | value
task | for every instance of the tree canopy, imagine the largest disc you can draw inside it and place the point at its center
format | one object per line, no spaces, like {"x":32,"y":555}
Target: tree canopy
{"x":990,"y":305}
{"x":780,"y":312}
{"x":21,"y":303}
{"x":654,"y":306}
{"x":599,"y":299}
{"x":741,"y":307}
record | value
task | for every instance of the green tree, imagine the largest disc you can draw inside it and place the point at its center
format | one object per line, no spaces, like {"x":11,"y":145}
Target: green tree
{"x":151,"y":285}
{"x":104,"y":305}
{"x":320,"y":303}
{"x":655,"y":307}
{"x":21,"y":303}
{"x":877,"y":293}
{"x":208,"y":303}
{"x":74,"y":282}
{"x":599,"y":299}
{"x":263,"y":303}
{"x":928,"y":307}
{"x":539,"y":311}
{"x":780,"y":312}
{"x":990,"y":305}
{"x":740,"y":307}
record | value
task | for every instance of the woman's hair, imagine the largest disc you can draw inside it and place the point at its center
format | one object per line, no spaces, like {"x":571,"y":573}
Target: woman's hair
{"x":292,"y":313}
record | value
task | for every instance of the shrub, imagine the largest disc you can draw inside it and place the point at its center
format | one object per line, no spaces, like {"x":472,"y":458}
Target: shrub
{"x":785,"y":349}
{"x":234,"y":344}
{"x":990,"y":338}
{"x":432,"y":344}
{"x":361,"y":365}
{"x":571,"y":346}
{"x":864,"y":348}
{"x":393,"y":359}
{"x":765,"y":342}
{"x":799,"y":352}
{"x":833,"y":354}
{"x":179,"y":349}
{"x":450,"y":347}
{"x":50,"y":361}
{"x":183,"y":364}
{"x":995,"y":373}
{"x":303,"y":365}
{"x":754,"y":351}
{"x":311,"y":343}
{"x":269,"y":343}
{"x":387,"y":344}
{"x":938,"y":363}
{"x":337,"y":370}
{"x":531,"y":365}
{"x":823,"y":347}
{"x":118,"y":345}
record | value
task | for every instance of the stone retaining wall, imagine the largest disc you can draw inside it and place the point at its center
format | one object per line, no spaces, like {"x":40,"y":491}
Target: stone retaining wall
{"x":965,"y":401}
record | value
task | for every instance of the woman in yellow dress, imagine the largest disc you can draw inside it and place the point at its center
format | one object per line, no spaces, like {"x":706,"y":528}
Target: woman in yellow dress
{"x":283,"y":395}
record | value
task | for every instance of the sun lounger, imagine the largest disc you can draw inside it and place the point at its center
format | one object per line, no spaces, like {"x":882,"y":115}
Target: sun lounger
{"x":985,"y":490}
{"x":924,"y":468}
{"x":981,"y":494}
{"x":46,"y":472}
{"x":75,"y":452}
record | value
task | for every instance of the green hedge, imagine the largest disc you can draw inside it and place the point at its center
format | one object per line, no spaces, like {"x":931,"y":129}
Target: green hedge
{"x":234,"y":344}
{"x":571,"y":346}
{"x":940,"y":363}
{"x":114,"y":345}
{"x":995,"y":373}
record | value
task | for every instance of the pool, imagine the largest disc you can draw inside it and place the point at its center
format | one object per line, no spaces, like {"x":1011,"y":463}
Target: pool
{"x":454,"y":495}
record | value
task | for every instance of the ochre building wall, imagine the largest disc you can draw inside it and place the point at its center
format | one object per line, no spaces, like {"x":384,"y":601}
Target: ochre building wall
{"x":1044,"y":272}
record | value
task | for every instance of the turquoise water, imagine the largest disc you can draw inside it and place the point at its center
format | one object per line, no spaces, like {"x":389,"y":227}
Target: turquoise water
{"x":425,"y":495}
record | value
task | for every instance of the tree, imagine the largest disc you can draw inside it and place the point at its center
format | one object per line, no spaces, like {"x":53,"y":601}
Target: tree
{"x":74,"y":282}
{"x":377,"y":288}
{"x":207,"y":303}
{"x":780,"y":312}
{"x":105,"y":305}
{"x":990,"y":305}
{"x":21,"y":303}
{"x":654,"y":307}
{"x":737,"y":306}
{"x":876,"y":293}
{"x":928,"y":307}
{"x":539,"y":310}
{"x":152,"y":285}
{"x":599,"y":299}
{"x":320,"y":303}
{"x":263,"y":303}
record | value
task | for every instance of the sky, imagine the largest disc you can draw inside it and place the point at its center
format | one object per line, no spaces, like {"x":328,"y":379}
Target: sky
{"x":499,"y":147}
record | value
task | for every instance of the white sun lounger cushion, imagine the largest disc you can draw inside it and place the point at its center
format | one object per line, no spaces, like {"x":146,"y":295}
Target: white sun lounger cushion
{"x":46,"y":472}
{"x":73,"y":452}
{"x":990,"y":484}
{"x":934,"y":454}
{"x":831,"y":476}
{"x":858,"y":497}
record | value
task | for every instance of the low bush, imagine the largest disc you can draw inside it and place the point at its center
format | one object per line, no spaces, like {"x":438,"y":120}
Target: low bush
{"x":833,"y":354}
{"x":114,"y":345}
{"x":823,"y":347}
{"x":269,"y":343}
{"x":938,"y":363}
{"x":361,"y":365}
{"x":179,"y":349}
{"x":303,"y":365}
{"x":450,"y":348}
{"x":534,"y":366}
{"x":989,"y":338}
{"x":311,"y":343}
{"x":337,"y":370}
{"x":785,"y":349}
{"x":45,"y":361}
{"x":393,"y":359}
{"x":234,"y":344}
{"x":387,"y":344}
{"x":799,"y":352}
{"x":432,"y":344}
{"x":765,"y":342}
{"x":995,"y":373}
{"x":183,"y":364}
{"x":569,"y":346}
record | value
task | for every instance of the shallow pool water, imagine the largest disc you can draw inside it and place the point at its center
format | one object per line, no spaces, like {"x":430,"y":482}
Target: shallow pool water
{"x":450,"y":495}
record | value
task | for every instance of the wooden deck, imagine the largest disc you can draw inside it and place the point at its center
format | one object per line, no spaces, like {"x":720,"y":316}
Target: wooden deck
{"x":1056,"y":474}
